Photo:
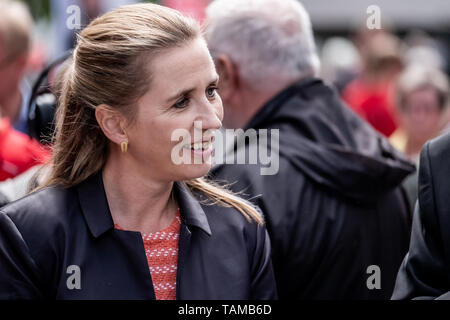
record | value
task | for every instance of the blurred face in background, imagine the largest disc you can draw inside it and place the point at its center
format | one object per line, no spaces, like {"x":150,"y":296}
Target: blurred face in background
{"x":422,"y":114}
{"x":12,"y":68}
{"x":16,"y":26}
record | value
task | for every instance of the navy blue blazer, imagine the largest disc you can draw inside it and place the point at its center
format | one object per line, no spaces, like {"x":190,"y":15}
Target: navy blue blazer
{"x":60,"y":243}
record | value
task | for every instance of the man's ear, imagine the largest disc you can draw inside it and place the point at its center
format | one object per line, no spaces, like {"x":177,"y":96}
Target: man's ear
{"x":229,"y":79}
{"x":112,"y":123}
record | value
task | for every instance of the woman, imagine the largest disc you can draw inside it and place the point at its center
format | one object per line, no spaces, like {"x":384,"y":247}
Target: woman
{"x":118,"y":219}
{"x":422,"y":103}
{"x":422,"y":110}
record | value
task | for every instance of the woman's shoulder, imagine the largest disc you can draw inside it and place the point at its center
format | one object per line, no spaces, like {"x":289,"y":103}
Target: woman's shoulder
{"x":45,"y":209}
{"x":33,"y":234}
{"x":233,"y":233}
{"x":216,"y":211}
{"x":229,"y":222}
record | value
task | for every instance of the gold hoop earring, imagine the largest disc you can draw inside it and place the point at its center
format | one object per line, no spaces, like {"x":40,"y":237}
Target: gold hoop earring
{"x":124,"y":146}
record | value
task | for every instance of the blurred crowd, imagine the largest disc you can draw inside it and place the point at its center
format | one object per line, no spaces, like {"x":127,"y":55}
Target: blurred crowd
{"x":397,"y":84}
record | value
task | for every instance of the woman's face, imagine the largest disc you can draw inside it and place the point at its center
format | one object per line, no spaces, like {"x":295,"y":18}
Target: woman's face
{"x":421,"y":116}
{"x":182,"y":103}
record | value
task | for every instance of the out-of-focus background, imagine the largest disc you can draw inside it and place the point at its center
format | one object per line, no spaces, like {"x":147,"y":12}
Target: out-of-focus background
{"x":390,"y":60}
{"x":337,"y":24}
{"x":364,"y":47}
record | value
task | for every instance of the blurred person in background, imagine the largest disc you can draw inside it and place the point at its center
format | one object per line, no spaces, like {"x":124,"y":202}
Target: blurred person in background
{"x":340,"y":62}
{"x":422,"y":103}
{"x":19,"y":186}
{"x":18,"y":152}
{"x":370,"y":95}
{"x":335,"y":207}
{"x":15,"y":42}
{"x":64,"y":37}
{"x":422,"y":49}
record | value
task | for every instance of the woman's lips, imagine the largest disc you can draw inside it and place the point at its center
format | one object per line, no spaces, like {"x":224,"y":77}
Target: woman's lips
{"x":202,"y":149}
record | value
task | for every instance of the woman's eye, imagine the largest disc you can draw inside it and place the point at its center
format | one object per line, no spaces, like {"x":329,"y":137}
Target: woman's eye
{"x":181,"y":104}
{"x":211,"y":92}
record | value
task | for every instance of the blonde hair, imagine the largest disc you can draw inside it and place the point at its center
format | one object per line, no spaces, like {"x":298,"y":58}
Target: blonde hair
{"x":15,"y":27}
{"x":107,"y":68}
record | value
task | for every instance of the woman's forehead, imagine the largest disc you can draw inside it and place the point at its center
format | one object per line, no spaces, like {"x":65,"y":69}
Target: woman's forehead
{"x":188,"y":65}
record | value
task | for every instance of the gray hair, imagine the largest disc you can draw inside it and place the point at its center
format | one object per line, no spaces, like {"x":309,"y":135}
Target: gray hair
{"x":268,"y":40}
{"x":421,"y":76}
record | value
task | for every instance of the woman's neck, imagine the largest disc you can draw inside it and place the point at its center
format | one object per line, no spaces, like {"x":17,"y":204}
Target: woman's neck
{"x":136,"y":202}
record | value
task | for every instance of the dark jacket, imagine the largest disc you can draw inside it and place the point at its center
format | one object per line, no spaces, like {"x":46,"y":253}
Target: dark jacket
{"x":221,"y":255}
{"x":335,"y":207}
{"x":3,"y":200}
{"x":425,"y":271}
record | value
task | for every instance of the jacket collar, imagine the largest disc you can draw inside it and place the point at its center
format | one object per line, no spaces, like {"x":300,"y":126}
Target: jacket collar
{"x":267,"y":112}
{"x":191,"y":210}
{"x":94,"y":205}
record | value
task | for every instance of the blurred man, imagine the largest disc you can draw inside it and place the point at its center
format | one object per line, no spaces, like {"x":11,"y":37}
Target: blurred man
{"x":370,"y":95}
{"x":339,"y":223}
{"x":15,"y":43}
{"x":17,"y":152}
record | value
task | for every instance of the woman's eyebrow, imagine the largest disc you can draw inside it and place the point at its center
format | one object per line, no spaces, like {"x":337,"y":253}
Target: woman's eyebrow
{"x":180,"y":94}
{"x":216,"y":79}
{"x":185,"y":92}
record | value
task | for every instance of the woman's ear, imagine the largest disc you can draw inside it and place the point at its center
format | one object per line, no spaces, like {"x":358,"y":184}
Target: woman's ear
{"x":112,"y":123}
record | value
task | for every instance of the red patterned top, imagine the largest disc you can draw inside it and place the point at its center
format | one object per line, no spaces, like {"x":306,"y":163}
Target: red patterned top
{"x":161,"y":249}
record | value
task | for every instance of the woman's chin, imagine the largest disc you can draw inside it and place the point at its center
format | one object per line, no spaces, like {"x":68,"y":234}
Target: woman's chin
{"x":195,"y":165}
{"x":194,"y":171}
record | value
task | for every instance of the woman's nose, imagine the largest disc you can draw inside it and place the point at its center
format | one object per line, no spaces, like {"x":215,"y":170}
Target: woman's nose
{"x":210,"y":116}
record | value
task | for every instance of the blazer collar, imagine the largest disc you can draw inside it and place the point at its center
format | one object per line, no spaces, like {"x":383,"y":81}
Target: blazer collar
{"x":190,"y":208}
{"x":94,"y":205}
